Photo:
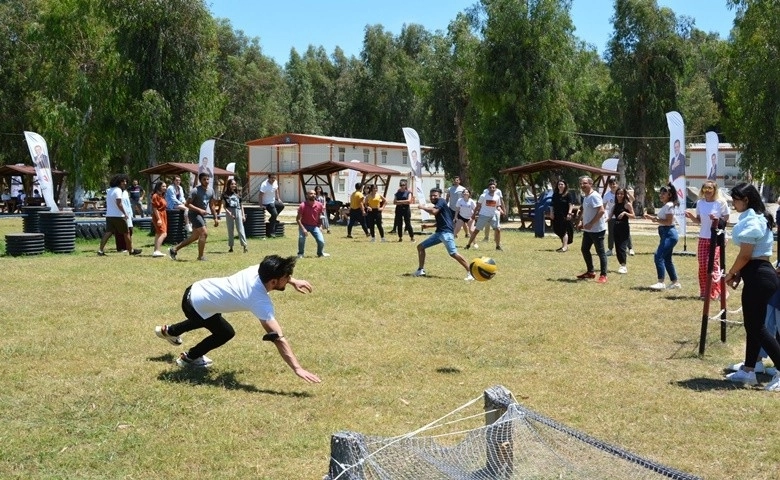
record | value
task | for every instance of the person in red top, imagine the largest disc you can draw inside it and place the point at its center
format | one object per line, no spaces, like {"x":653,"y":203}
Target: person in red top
{"x":309,"y":220}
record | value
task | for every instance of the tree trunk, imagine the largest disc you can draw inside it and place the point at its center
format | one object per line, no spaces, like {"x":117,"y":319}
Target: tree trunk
{"x":463,"y":152}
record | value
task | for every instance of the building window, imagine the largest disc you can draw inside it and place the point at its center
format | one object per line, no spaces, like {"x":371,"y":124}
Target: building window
{"x":342,"y":154}
{"x":366,"y":155}
{"x":404,"y":157}
{"x":384,"y":156}
{"x":438,"y":183}
{"x":731,"y":159}
{"x":342,"y":185}
{"x":687,"y":160}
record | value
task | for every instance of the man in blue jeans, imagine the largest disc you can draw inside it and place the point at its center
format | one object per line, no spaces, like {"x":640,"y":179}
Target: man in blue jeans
{"x":593,"y":225}
{"x":309,"y":220}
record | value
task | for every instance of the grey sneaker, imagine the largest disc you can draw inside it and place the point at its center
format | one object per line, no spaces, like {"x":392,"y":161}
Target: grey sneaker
{"x":186,"y":362}
{"x":419,"y":273}
{"x":162,"y":332}
{"x":172,"y":253}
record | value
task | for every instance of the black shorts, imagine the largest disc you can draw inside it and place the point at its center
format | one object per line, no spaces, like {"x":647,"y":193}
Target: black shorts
{"x":116,"y":225}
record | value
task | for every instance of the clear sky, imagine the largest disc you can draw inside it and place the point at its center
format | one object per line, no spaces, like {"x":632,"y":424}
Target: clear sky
{"x":330,"y":23}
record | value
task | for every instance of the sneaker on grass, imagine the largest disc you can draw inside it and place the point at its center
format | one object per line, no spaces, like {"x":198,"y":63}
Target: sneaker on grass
{"x":172,"y":253}
{"x":420,"y":272}
{"x":586,"y":275}
{"x":469,"y":278}
{"x":602,"y":279}
{"x":674,"y":286}
{"x":162,"y":332}
{"x":186,"y":362}
{"x":774,"y":385}
{"x":759,"y":368}
{"x":741,"y":376}
{"x":622,"y":269}
{"x":658,"y":286}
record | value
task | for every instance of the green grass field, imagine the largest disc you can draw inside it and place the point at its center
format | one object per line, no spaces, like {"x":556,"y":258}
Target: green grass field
{"x":87,"y":391}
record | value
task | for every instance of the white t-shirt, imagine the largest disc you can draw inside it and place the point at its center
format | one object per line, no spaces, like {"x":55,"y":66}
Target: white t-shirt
{"x":465,"y":208}
{"x":590,"y":206}
{"x":240,"y":292}
{"x":112,"y":195}
{"x":666,"y":210}
{"x":704,"y":208}
{"x":268,"y":191}
{"x":609,"y":202}
{"x":455,"y":193}
{"x":490,"y":203}
{"x":128,"y":207}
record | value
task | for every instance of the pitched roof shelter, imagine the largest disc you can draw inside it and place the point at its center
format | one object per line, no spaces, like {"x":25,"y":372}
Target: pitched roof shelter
{"x":320,"y":174}
{"x":177,"y":168}
{"x":521,"y":175}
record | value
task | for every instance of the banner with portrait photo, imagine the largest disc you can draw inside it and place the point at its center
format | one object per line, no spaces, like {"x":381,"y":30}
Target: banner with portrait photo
{"x":677,"y":164}
{"x":39,"y":152}
{"x":415,"y":160}
{"x":711,"y":162}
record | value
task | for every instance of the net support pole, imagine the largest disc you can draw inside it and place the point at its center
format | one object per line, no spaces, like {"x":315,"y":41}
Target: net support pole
{"x":346,"y":457}
{"x":705,"y":310}
{"x":499,"y":440}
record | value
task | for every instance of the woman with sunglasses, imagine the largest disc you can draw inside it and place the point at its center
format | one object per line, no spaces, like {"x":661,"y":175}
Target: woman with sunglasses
{"x":669,"y":237}
{"x":753,"y":235}
{"x":710,"y":207}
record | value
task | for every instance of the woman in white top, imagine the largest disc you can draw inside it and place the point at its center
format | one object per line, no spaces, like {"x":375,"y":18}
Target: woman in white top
{"x":712,"y":211}
{"x":464,"y":210}
{"x":669,"y":237}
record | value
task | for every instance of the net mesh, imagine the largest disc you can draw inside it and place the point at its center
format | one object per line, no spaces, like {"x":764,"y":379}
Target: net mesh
{"x":520,"y":444}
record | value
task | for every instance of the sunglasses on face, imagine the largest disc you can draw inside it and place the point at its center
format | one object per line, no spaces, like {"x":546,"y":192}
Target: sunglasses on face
{"x":707,"y":189}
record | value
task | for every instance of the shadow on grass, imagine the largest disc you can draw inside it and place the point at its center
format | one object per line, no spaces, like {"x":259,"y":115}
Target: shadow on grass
{"x":448,"y":370}
{"x":711,"y":384}
{"x":226,"y":380}
{"x":566,"y":280}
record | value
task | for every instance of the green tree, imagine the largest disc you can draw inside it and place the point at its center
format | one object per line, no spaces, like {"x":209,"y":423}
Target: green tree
{"x":303,"y":114}
{"x":169,"y":83}
{"x":753,"y":98}
{"x":254,"y":90}
{"x":520,"y":90}
{"x":449,"y":80}
{"x":18,"y":54}
{"x":646,"y":60}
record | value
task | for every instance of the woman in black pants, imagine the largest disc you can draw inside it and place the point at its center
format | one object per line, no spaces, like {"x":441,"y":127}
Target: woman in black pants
{"x":753,"y":235}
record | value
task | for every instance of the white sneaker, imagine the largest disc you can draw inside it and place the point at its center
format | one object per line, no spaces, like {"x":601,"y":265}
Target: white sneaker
{"x":300,"y":255}
{"x":622,"y":269}
{"x":741,"y":376}
{"x":674,"y":286}
{"x":162,"y":332}
{"x":325,"y":255}
{"x":759,"y":368}
{"x":609,"y":253}
{"x":157,"y":253}
{"x":186,"y":362}
{"x":420,"y":272}
{"x":774,"y":385}
{"x":631,"y":252}
{"x":469,"y":278}
{"x":658,"y":286}
{"x":384,"y":240}
{"x":373,"y":239}
{"x":475,"y":246}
